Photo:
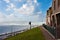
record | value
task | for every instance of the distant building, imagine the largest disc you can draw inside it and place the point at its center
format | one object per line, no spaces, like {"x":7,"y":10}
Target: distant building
{"x":53,"y":17}
{"x":48,"y":17}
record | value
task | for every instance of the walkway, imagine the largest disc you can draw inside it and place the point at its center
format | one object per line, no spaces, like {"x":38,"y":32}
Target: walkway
{"x":46,"y":34}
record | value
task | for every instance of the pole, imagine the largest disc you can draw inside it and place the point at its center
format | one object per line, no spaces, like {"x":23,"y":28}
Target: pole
{"x":30,"y":24}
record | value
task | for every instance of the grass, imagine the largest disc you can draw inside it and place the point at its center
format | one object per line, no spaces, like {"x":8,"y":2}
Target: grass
{"x":33,"y":34}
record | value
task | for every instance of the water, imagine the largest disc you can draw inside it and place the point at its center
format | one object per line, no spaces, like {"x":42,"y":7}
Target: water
{"x":12,"y":28}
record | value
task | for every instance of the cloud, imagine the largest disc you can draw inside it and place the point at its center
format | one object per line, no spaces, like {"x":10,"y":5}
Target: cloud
{"x":9,"y":7}
{"x":25,"y":9}
{"x":2,"y":17}
{"x":18,"y":17}
{"x":35,"y":1}
{"x":24,"y":6}
{"x":39,"y":13}
{"x":7,"y":1}
{"x":18,"y":0}
{"x":26,"y":12}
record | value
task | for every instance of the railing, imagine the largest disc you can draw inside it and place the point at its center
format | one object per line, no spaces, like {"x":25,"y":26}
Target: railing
{"x":52,"y":30}
{"x":3,"y":36}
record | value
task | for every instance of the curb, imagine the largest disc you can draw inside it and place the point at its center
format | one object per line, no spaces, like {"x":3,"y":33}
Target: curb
{"x":48,"y":33}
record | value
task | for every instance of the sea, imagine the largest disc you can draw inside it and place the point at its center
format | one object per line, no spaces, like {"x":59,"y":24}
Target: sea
{"x":12,"y":28}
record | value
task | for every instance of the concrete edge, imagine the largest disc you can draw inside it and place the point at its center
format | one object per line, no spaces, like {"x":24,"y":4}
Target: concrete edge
{"x":58,"y":39}
{"x":49,"y":33}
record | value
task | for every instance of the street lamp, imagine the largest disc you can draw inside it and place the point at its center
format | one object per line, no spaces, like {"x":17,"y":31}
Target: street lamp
{"x":30,"y":24}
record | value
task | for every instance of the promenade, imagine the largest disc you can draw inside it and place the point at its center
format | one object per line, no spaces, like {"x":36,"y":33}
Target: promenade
{"x":47,"y":34}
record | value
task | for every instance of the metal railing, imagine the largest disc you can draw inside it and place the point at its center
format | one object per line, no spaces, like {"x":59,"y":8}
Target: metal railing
{"x":52,"y":30}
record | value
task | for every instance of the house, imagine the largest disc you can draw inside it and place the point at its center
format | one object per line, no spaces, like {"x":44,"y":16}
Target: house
{"x":53,"y":17}
{"x":48,"y":17}
{"x":56,"y":17}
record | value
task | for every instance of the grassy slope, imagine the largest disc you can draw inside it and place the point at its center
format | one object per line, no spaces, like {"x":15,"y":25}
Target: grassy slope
{"x":33,"y":34}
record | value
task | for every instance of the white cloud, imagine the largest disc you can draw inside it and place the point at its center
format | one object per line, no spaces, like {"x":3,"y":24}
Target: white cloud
{"x":25,"y":9}
{"x":18,"y":0}
{"x":35,"y":1}
{"x":9,"y":7}
{"x":7,"y":1}
{"x":32,"y":2}
{"x":40,"y":12}
{"x":12,"y":5}
{"x":24,"y":13}
{"x":7,"y":18}
{"x":12,"y":18}
{"x":24,"y":6}
{"x":2,"y":17}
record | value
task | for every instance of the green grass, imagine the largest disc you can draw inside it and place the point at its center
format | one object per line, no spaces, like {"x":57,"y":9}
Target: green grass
{"x":33,"y":34}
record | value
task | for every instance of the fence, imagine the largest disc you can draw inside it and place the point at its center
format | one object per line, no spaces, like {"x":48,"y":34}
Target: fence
{"x":52,"y":30}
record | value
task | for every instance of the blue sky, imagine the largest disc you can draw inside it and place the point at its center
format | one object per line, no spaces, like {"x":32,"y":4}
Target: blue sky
{"x":23,"y":10}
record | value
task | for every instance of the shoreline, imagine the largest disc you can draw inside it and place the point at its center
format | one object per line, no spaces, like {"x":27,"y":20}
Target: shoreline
{"x":6,"y":35}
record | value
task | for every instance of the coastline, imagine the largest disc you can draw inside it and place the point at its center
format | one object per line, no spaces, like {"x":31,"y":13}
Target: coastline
{"x":6,"y":35}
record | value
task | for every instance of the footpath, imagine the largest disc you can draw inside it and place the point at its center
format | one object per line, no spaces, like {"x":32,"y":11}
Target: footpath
{"x":47,"y":34}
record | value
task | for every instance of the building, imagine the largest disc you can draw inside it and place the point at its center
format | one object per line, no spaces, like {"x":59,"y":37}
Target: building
{"x":48,"y":17}
{"x":56,"y":17}
{"x":47,"y":23}
{"x":53,"y":17}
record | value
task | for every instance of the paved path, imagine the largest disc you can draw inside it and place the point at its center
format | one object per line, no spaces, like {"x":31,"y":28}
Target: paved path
{"x":46,"y":34}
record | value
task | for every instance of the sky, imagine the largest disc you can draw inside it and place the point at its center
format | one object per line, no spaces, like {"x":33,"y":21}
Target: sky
{"x":23,"y":11}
